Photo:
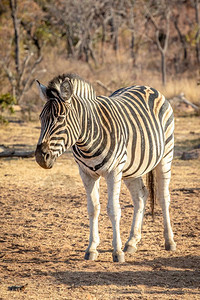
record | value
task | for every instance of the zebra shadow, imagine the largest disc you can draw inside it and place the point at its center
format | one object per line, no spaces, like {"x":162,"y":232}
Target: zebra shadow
{"x":170,"y":273}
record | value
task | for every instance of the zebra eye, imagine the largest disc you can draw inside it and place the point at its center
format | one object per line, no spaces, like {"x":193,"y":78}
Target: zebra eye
{"x":60,"y":118}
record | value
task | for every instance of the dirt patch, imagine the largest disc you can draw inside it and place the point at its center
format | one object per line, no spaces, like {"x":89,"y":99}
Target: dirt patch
{"x":44,"y":231}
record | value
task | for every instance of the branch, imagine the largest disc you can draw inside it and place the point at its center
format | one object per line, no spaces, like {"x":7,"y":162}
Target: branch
{"x":103,"y":86}
{"x":26,"y":86}
{"x":181,"y":98}
{"x":14,"y":153}
{"x":164,"y":48}
{"x":151,"y":17}
{"x":25,"y":63}
{"x":13,"y":8}
{"x":8,"y":73}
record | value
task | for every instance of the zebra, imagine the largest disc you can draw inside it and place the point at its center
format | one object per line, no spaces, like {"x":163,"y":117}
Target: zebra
{"x":123,"y":136}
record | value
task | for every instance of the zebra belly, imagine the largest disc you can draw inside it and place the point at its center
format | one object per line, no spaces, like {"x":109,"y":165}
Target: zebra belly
{"x":144,"y":152}
{"x":137,"y":169}
{"x":101,"y":166}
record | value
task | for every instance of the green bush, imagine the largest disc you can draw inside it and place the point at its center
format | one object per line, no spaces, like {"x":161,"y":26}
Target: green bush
{"x":6,"y":104}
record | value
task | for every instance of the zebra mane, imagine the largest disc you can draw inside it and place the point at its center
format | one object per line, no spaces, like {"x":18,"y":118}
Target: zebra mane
{"x":57,"y":81}
{"x":78,"y":84}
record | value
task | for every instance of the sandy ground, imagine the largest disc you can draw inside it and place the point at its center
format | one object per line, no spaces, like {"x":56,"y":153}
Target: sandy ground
{"x":44,"y":230}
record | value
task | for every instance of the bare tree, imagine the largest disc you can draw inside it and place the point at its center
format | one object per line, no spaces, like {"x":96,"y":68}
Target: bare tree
{"x":196,"y":2}
{"x":87,"y":22}
{"x":163,"y":12}
{"x":21,"y":78}
{"x":13,"y":8}
{"x":76,"y":20}
{"x":162,"y":39}
{"x":84,"y":29}
{"x":181,"y":36}
{"x":132,"y":29}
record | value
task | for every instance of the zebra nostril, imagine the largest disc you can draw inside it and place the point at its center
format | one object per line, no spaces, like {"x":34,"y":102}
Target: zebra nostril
{"x":47,"y":156}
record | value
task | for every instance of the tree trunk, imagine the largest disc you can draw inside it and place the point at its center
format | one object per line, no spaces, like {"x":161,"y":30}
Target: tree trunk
{"x":181,"y":37}
{"x":198,"y":31}
{"x":103,"y":38}
{"x":132,"y":44}
{"x":69,"y":38}
{"x":114,"y":30}
{"x":163,"y":67}
{"x":13,"y":7}
{"x":162,"y":40}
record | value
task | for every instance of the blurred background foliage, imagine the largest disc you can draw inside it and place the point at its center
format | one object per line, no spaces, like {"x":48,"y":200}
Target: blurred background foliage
{"x":111,"y":43}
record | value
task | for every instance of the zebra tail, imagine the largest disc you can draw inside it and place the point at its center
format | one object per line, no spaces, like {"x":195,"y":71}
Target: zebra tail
{"x":151,"y":184}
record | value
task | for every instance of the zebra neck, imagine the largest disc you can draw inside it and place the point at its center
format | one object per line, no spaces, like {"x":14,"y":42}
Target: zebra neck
{"x":86,"y":106}
{"x":83,"y":90}
{"x":90,"y":129}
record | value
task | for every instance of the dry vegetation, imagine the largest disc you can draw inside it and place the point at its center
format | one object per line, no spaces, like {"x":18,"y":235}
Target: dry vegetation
{"x":117,"y":42}
{"x":44,"y":223}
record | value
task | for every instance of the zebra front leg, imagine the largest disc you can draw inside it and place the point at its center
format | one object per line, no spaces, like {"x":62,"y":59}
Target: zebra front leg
{"x":163,"y":175}
{"x":92,"y":189}
{"x":139,"y":194}
{"x":114,"y":211}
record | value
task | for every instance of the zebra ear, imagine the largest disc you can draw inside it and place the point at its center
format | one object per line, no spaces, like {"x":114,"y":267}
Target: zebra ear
{"x":66,"y":90}
{"x":43,"y":90}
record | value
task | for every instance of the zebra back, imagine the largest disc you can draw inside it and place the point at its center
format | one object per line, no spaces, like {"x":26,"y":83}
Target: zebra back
{"x":132,"y":128}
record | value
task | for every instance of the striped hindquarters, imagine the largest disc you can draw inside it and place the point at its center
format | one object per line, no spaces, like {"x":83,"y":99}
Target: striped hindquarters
{"x":150,"y":124}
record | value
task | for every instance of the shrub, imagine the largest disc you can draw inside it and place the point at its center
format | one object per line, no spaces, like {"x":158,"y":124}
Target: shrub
{"x":6,"y":104}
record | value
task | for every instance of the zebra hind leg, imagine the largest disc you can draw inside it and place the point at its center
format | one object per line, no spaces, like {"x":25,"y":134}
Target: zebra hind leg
{"x":163,"y":175}
{"x":139,"y":194}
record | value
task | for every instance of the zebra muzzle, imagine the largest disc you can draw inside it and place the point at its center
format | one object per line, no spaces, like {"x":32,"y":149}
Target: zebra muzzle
{"x":44,"y":156}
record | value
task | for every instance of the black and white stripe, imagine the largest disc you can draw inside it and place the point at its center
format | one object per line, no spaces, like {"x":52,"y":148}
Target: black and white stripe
{"x":133,"y":124}
{"x":126,"y":135}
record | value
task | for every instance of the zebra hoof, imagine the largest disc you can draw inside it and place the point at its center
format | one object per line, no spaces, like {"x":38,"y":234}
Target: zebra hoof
{"x":170,"y":246}
{"x":91,"y":255}
{"x":119,"y":257}
{"x":130,"y":249}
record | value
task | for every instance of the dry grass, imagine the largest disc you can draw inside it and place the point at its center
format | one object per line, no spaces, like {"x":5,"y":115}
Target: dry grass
{"x":44,"y":231}
{"x":114,"y":71}
{"x":186,"y":85}
{"x":117,"y":71}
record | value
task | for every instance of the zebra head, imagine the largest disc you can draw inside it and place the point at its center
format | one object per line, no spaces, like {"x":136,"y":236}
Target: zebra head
{"x":60,"y":127}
